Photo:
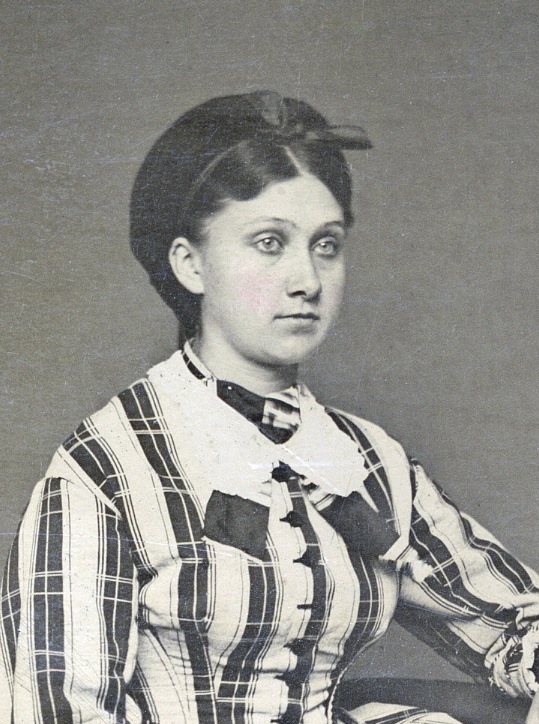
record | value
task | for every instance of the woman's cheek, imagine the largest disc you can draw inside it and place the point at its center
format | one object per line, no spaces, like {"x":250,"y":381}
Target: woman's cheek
{"x":256,"y":295}
{"x":332,"y":290}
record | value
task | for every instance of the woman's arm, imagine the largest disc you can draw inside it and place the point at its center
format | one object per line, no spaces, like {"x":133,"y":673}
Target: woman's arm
{"x":68,"y":634}
{"x":477,"y":605}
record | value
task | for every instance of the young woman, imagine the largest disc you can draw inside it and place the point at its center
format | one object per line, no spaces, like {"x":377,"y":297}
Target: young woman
{"x":215,"y":546}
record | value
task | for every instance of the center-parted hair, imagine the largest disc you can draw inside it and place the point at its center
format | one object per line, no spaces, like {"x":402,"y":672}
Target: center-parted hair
{"x":229,"y":148}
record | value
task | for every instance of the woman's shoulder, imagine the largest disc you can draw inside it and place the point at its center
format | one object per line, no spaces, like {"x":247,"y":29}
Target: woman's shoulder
{"x":370,"y":436}
{"x":138,"y":403}
{"x":352,"y":423}
{"x":98,"y":448}
{"x":110,"y":417}
{"x":366,"y":426}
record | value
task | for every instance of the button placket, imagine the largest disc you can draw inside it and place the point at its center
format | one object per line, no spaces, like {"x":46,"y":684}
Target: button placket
{"x":309,"y":557}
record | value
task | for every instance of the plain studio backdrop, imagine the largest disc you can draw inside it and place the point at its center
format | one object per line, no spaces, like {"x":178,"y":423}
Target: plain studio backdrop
{"x":438,"y":339}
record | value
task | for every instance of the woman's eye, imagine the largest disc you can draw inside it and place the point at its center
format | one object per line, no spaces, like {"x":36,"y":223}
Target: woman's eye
{"x":327,"y":247}
{"x":269,"y":244}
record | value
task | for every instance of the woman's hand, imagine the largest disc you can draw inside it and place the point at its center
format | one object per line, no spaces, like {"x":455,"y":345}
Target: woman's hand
{"x":533,"y":714}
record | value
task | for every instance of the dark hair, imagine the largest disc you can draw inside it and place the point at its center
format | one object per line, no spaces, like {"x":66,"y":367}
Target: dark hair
{"x":250,"y":166}
{"x":228,"y":148}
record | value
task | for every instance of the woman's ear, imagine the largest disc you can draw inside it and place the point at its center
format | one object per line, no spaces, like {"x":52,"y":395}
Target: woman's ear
{"x":184,"y":258}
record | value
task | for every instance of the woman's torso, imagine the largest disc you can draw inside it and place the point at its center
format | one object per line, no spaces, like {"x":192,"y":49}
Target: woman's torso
{"x":225,"y":635}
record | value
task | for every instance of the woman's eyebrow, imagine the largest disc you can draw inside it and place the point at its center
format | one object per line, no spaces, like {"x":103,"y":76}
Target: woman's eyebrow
{"x":271,"y":220}
{"x":288,"y":222}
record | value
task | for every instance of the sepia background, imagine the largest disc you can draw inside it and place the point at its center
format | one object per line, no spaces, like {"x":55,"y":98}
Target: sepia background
{"x":438,"y":341}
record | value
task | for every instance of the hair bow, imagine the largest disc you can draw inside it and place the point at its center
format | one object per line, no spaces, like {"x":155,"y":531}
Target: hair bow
{"x":274,"y":110}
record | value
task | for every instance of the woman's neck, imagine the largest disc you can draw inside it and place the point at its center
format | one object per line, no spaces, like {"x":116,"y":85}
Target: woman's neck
{"x":256,"y":377}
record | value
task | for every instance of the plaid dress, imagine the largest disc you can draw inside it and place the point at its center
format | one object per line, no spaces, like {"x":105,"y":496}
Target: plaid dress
{"x":138,"y":590}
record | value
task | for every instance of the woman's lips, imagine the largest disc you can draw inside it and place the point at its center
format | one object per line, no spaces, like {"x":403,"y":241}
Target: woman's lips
{"x":310,"y":316}
{"x":300,"y":323}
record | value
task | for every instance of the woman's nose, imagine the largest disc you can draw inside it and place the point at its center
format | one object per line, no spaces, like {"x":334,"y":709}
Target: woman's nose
{"x":303,"y":277}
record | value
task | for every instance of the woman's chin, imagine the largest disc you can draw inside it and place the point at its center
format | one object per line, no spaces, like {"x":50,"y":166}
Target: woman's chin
{"x":291,"y":354}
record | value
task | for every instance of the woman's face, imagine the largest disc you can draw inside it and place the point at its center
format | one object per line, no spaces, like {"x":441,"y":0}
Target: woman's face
{"x":272,"y":271}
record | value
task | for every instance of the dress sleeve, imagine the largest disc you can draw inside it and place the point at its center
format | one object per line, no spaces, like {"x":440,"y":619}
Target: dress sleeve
{"x":468,"y":598}
{"x":68,"y":633}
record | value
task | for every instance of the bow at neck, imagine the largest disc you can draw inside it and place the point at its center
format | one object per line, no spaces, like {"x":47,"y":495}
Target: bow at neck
{"x":277,"y":416}
{"x":229,"y":455}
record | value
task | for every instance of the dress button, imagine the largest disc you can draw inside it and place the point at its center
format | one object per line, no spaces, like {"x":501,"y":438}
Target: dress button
{"x":300,"y":647}
{"x":286,"y":719}
{"x":293,"y":518}
{"x":291,"y":678}
{"x":282,"y":472}
{"x":310,"y":558}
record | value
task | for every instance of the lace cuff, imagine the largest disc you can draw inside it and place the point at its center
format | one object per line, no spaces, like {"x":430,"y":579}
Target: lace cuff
{"x":514,"y":662}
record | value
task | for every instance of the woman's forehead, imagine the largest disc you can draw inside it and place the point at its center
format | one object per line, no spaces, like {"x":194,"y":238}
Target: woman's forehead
{"x":297,"y":202}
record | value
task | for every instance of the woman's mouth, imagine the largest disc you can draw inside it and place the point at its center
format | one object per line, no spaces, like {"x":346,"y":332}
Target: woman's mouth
{"x":306,"y":316}
{"x":300,"y":323}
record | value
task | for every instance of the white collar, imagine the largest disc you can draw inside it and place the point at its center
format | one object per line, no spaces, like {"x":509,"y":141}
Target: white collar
{"x":234,"y":457}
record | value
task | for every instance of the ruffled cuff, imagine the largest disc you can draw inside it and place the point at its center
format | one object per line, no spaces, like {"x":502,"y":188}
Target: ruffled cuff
{"x":514,"y":662}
